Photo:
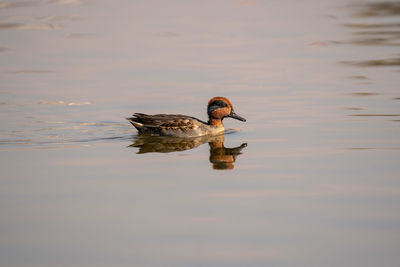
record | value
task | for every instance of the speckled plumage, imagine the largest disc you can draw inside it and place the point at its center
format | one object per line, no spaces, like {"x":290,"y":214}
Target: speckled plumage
{"x":185,"y":126}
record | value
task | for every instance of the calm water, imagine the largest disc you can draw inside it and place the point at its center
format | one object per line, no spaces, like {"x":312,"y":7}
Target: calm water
{"x":311,"y":179}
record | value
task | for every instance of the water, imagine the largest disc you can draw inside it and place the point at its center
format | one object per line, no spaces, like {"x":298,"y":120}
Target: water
{"x":311,"y":179}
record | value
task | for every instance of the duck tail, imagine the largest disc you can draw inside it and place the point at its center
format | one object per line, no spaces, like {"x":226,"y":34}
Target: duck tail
{"x":134,"y":121}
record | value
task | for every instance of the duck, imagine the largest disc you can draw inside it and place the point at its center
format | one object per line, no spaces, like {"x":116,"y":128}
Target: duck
{"x":179,"y":125}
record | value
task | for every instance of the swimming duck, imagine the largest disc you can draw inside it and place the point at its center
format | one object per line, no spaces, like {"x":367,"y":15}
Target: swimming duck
{"x":186,"y":126}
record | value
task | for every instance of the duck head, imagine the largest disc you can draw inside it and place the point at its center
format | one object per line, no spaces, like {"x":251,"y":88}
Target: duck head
{"x":220,"y":107}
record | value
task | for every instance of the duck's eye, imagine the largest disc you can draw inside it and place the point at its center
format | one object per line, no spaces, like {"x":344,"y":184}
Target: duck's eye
{"x":216,"y":105}
{"x":219,"y":104}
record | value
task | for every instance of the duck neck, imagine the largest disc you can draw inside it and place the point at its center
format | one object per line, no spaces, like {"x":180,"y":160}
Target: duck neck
{"x":214,"y":121}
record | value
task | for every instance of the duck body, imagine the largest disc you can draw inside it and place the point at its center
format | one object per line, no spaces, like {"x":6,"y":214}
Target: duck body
{"x":186,"y":126}
{"x":173,"y":125}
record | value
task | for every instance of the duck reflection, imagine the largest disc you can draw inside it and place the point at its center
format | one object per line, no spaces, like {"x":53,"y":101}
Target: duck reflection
{"x":221,"y":157}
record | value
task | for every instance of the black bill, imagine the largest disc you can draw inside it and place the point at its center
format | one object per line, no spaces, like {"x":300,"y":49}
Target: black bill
{"x":235,"y":116}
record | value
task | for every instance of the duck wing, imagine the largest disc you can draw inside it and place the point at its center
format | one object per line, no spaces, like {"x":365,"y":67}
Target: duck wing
{"x":163,"y":124}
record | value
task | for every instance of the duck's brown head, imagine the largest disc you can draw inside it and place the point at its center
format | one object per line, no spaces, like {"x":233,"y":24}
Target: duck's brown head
{"x":220,"y":107}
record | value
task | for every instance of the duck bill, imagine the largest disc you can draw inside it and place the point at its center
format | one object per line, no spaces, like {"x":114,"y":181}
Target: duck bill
{"x":233,"y":115}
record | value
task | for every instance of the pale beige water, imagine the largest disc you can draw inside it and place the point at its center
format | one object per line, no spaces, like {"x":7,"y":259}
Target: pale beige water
{"x":311,"y":179}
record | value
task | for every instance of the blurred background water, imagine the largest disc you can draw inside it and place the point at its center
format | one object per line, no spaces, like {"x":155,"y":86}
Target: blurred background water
{"x":311,"y":179}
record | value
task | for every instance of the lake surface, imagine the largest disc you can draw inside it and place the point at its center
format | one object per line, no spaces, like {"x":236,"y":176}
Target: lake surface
{"x":311,"y":179}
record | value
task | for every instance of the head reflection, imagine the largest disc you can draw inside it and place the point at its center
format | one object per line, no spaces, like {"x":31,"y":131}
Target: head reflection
{"x":221,"y":157}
